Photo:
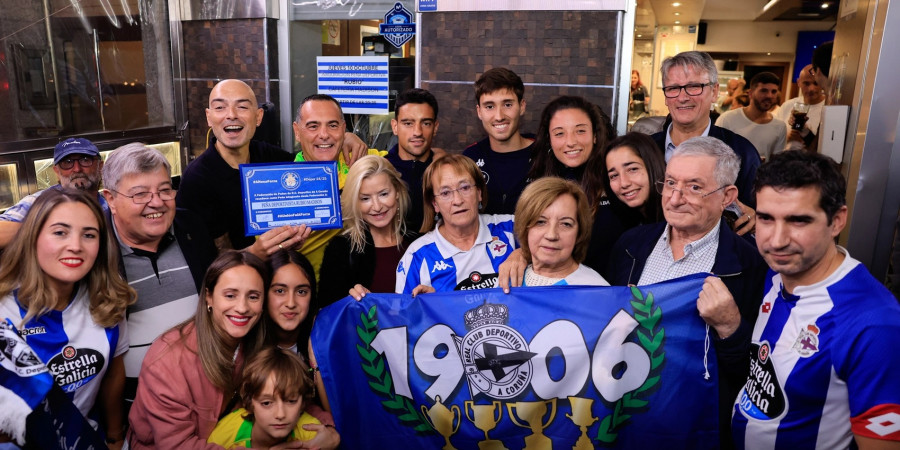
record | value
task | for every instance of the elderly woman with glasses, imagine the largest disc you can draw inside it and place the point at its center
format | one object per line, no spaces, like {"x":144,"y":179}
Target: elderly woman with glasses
{"x":553,"y":223}
{"x":465,"y":248}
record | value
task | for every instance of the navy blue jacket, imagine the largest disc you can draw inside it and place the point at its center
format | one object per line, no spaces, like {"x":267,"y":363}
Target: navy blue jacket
{"x":506,"y":174}
{"x":743,"y":271}
{"x":750,"y":160}
{"x":411,"y":173}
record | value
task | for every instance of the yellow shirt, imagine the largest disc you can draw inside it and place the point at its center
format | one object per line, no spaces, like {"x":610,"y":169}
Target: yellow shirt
{"x":233,"y":431}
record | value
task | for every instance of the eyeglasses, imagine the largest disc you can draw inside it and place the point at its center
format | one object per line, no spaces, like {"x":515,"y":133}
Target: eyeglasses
{"x":83,"y":161}
{"x":667,"y":187}
{"x":692,"y":89}
{"x":447,"y":194}
{"x":142,"y":198}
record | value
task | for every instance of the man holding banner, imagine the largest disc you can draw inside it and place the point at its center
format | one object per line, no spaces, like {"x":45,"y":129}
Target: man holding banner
{"x":823,"y":358}
{"x":698,"y":185}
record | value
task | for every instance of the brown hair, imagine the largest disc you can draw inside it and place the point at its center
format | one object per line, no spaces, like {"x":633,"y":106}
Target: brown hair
{"x":290,"y":373}
{"x":215,"y":356}
{"x":461,"y":164}
{"x":537,"y":197}
{"x":109,"y":294}
{"x":496,"y":79}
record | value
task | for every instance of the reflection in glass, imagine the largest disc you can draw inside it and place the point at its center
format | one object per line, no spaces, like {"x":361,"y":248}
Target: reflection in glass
{"x":9,"y":186}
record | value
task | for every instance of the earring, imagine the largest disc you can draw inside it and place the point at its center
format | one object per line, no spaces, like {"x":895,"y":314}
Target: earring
{"x":208,"y":308}
{"x":437,"y":216}
{"x":480,"y":206}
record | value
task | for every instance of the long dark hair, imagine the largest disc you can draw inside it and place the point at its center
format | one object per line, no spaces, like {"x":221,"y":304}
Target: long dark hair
{"x":655,"y":163}
{"x":276,"y":261}
{"x":544,"y":162}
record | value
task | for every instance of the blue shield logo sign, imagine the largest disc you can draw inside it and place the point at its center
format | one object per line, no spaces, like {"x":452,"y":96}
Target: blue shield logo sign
{"x":398,"y":27}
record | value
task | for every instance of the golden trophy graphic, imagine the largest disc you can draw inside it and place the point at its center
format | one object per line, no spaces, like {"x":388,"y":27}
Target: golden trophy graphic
{"x":533,"y":414}
{"x":583,"y":417}
{"x":486,"y":417}
{"x":442,"y":420}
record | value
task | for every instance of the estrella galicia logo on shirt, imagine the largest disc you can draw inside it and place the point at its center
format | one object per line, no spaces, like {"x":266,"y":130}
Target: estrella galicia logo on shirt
{"x":440,"y":266}
{"x":477,"y":280}
{"x":495,"y":357}
{"x":762,"y":397}
{"x":497,"y":247}
{"x":73,"y":367}
{"x":290,"y":181}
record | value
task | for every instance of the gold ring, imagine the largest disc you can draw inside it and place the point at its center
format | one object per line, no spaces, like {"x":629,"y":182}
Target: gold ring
{"x":748,"y":218}
{"x":279,"y":245}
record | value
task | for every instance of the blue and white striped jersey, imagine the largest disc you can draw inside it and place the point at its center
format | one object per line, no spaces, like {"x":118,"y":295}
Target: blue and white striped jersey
{"x":432,"y":260}
{"x":823,"y":365}
{"x":75,"y":349}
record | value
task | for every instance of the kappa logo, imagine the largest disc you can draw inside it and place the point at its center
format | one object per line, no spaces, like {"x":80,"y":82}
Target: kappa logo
{"x":400,"y":268}
{"x":495,"y":357}
{"x":807,"y":342}
{"x":497,"y":247}
{"x":440,"y":266}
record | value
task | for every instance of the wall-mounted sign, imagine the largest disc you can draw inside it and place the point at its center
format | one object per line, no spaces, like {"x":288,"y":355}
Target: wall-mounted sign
{"x":427,"y":5}
{"x":398,"y":27}
{"x":359,"y":83}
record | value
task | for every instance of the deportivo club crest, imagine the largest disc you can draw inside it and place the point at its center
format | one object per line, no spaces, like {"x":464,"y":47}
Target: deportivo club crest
{"x":495,"y":357}
{"x":290,"y":181}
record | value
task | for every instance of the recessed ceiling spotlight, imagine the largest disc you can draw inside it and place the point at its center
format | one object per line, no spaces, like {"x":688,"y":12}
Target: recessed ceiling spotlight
{"x":768,"y":53}
{"x":677,"y":14}
{"x":676,"y":4}
{"x":824,"y":5}
{"x":640,"y":35}
{"x":677,"y":22}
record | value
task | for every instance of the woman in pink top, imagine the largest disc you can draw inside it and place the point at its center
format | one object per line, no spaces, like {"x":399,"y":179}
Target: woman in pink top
{"x":189,"y":377}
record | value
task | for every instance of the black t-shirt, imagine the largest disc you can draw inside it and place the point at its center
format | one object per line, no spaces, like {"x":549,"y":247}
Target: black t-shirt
{"x":212,"y":189}
{"x":506,"y":174}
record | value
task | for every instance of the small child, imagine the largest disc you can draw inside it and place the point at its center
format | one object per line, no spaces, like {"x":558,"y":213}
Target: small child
{"x":274,"y":389}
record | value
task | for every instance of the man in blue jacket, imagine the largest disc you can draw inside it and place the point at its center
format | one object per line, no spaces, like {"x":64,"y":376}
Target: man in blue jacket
{"x":698,"y":185}
{"x":690,"y":85}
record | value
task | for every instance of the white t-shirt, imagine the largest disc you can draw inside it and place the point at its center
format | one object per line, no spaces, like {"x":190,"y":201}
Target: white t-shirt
{"x":768,"y":138}
{"x":812,"y":122}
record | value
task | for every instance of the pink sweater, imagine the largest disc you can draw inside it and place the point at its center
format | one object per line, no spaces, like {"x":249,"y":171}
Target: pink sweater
{"x":176,"y":405}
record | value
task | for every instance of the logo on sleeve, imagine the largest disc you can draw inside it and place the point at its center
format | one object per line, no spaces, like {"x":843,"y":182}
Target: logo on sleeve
{"x":884,"y":424}
{"x":440,"y":266}
{"x":807,"y":341}
{"x":74,"y":367}
{"x":767,"y":307}
{"x":762,"y":397}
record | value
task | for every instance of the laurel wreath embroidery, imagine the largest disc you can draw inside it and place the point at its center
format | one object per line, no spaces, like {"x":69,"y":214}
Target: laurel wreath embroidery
{"x":651,"y":339}
{"x":380,"y":379}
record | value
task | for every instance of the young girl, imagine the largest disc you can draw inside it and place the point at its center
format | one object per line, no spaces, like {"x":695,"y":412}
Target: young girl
{"x":274,"y":390}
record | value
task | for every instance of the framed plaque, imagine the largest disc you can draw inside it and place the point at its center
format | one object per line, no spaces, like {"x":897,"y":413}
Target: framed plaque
{"x":290,"y":194}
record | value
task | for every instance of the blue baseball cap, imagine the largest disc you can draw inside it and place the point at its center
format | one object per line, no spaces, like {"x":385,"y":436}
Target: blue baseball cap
{"x":74,"y":146}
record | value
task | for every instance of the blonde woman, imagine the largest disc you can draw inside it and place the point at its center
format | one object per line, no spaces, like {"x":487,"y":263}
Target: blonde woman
{"x":364,"y":258}
{"x":60,"y":287}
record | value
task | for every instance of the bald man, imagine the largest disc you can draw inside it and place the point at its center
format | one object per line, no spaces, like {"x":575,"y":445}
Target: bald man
{"x":211,"y":184}
{"x":813,"y":95}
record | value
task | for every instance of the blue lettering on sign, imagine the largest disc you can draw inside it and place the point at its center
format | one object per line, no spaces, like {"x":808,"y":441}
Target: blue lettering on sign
{"x":398,"y":27}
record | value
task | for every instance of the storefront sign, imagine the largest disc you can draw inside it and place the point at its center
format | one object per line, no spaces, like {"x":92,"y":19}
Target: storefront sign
{"x":398,"y":27}
{"x":359,"y":83}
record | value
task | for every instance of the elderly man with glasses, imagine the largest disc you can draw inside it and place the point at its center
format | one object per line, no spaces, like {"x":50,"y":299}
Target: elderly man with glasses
{"x":77,"y":165}
{"x":690,"y":85}
{"x":698,"y":185}
{"x":164,"y":252}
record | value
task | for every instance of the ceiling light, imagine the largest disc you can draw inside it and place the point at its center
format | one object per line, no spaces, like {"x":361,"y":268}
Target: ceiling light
{"x":769,"y":5}
{"x":824,"y":5}
{"x":768,"y":53}
{"x":677,"y":14}
{"x":676,"y":4}
{"x":640,"y":35}
{"x":677,"y":22}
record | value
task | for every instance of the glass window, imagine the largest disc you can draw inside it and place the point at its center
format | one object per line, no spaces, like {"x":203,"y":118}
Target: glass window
{"x":73,"y":68}
{"x":9,"y":186}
